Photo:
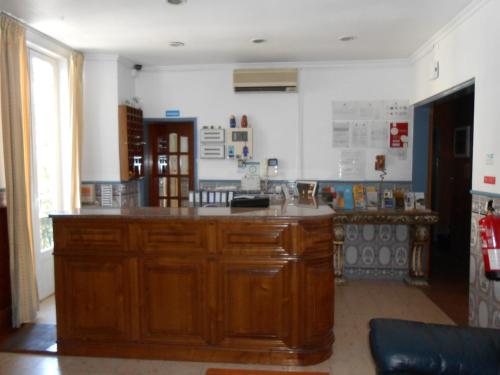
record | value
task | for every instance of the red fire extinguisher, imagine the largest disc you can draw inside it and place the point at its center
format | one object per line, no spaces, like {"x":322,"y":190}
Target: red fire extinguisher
{"x":490,"y":236}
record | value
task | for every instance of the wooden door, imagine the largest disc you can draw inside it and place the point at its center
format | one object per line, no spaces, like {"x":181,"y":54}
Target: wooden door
{"x":255,"y":303}
{"x":171,"y":164}
{"x":452,"y":174}
{"x":173,"y":295}
{"x":94,"y":294}
{"x":318,"y":305}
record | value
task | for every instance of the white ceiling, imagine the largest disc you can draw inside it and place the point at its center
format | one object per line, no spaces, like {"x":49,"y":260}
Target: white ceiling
{"x":219,"y":31}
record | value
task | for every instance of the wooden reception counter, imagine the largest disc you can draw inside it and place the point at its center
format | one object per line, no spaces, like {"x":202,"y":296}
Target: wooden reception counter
{"x":205,"y":284}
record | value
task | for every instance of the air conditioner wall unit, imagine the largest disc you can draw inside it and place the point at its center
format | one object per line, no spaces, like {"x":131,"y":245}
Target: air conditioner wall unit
{"x":251,"y":80}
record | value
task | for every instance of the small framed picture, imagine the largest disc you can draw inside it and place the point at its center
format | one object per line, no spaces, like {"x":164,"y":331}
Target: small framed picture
{"x":87,"y":194}
{"x":307,"y":188}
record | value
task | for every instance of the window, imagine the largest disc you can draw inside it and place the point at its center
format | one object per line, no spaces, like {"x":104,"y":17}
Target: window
{"x":49,"y":128}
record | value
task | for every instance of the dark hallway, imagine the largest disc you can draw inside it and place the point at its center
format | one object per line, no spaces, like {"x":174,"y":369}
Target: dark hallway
{"x":450,"y":182}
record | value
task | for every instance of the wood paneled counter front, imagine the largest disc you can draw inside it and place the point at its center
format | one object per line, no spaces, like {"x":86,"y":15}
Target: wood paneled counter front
{"x":205,"y":284}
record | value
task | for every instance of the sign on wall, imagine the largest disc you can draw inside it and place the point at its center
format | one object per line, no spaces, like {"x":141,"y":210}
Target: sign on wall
{"x":362,"y":125}
{"x":366,"y":124}
{"x":399,"y":135}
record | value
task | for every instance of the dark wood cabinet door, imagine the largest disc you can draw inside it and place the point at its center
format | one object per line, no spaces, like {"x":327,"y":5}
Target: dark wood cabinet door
{"x":318,"y":301}
{"x":173,"y":300}
{"x":96,"y":294}
{"x":254,"y":303}
{"x":171,"y":163}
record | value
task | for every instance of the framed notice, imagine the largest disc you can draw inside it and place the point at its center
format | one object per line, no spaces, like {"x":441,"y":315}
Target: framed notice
{"x":307,"y":188}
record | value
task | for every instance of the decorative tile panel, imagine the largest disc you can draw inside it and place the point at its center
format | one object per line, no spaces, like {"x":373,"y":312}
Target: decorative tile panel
{"x":376,"y":251}
{"x":126,"y":194}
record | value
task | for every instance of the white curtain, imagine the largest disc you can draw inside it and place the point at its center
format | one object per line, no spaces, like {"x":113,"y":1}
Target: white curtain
{"x":76,"y":119}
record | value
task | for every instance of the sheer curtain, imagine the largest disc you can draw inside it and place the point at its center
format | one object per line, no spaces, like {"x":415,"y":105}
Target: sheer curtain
{"x":76,"y":118}
{"x":15,"y":118}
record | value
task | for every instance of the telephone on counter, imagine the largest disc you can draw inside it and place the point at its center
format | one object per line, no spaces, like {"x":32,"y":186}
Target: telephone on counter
{"x":272,"y":167}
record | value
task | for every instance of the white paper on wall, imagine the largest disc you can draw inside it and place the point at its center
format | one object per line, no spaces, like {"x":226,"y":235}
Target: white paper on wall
{"x":345,"y":110}
{"x":379,"y":134}
{"x":399,"y":153}
{"x":371,"y":110}
{"x":341,"y":131}
{"x":359,"y":135}
{"x":352,"y":165}
{"x":397,"y":111}
{"x":368,"y":122}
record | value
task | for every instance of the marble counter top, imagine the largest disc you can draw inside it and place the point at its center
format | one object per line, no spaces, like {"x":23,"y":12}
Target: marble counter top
{"x":275,"y":211}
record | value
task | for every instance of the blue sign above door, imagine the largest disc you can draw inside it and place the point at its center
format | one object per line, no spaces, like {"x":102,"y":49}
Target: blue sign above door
{"x":172,"y":113}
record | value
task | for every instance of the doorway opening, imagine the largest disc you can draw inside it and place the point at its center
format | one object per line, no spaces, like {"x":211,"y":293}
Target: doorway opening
{"x":170,"y":162}
{"x":450,"y":132}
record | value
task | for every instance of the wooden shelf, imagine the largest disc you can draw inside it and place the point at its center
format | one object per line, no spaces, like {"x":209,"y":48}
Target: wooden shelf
{"x":131,"y":142}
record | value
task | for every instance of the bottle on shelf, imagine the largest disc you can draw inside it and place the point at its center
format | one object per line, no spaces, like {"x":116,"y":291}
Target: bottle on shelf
{"x":244,"y":121}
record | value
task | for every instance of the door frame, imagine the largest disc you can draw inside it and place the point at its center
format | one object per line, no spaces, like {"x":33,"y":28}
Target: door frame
{"x":147,"y":151}
{"x":429,"y":102}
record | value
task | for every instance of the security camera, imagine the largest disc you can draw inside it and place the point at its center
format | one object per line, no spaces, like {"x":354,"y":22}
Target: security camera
{"x":138,"y":67}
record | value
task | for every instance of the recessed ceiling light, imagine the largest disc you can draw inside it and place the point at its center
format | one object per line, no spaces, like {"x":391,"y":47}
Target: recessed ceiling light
{"x":347,"y":38}
{"x":258,"y":40}
{"x":176,"y":2}
{"x":176,"y":44}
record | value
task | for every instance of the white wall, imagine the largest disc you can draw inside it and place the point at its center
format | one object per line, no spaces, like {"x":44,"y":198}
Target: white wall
{"x":100,"y":154}
{"x":207,"y":95}
{"x":469,"y":49}
{"x":282,"y":122}
{"x":354,"y":81}
{"x":126,"y":81}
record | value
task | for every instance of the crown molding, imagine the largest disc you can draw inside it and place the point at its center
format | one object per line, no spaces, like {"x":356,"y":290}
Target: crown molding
{"x":458,"y":20}
{"x":285,"y":64}
{"x":92,"y":56}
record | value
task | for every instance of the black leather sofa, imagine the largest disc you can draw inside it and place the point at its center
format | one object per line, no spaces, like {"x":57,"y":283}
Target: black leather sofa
{"x":401,"y":347}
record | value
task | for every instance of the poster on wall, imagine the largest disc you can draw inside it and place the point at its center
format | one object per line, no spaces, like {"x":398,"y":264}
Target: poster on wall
{"x":379,"y":134}
{"x":360,"y":135}
{"x":341,"y":130}
{"x":367,"y":124}
{"x":398,"y":135}
{"x":352,"y":165}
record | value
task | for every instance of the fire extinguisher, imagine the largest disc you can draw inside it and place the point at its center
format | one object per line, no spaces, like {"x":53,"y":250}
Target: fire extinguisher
{"x":490,"y":244}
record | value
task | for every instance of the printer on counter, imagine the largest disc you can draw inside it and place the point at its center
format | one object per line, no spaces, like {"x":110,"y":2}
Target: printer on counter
{"x":250,"y":201}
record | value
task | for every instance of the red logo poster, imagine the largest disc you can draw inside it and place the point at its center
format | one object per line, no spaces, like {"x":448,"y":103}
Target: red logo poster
{"x":399,"y":134}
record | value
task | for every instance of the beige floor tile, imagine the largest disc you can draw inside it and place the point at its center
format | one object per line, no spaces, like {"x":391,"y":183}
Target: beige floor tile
{"x":47,"y":312}
{"x":355,"y":304}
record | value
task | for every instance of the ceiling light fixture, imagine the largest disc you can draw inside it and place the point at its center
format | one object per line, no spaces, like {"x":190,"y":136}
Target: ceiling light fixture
{"x":176,"y":2}
{"x":347,"y":38}
{"x":176,"y":44}
{"x":258,"y":40}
